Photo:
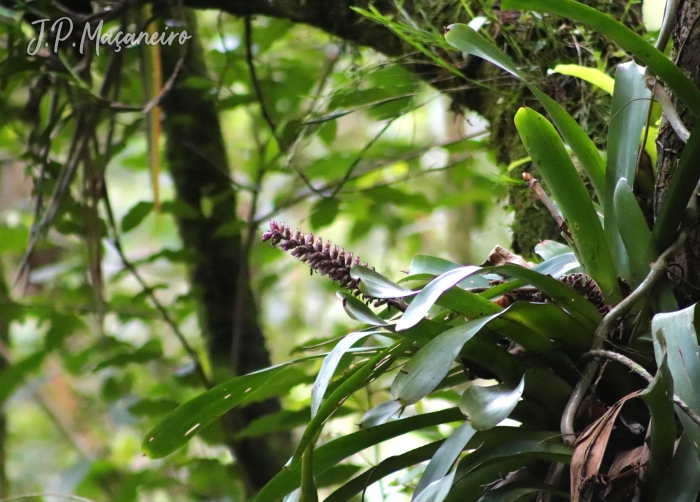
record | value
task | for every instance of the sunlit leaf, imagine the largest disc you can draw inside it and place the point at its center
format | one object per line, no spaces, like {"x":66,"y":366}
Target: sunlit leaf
{"x":591,"y":75}
{"x":376,"y":285}
{"x":330,"y":363}
{"x":469,"y":41}
{"x":424,"y":300}
{"x":662,"y":66}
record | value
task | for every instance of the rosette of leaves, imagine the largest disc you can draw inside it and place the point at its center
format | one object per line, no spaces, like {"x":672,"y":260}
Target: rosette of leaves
{"x":562,"y":349}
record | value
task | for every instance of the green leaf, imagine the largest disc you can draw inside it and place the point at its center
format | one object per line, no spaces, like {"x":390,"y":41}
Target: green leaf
{"x":674,"y":334}
{"x":380,"y":414}
{"x":659,"y":398}
{"x":309,"y":492}
{"x":432,"y":265}
{"x":389,"y":195}
{"x":552,"y":323}
{"x":324,"y":212}
{"x":558,"y":266}
{"x":518,"y":489}
{"x":180,"y":209}
{"x":629,"y":109}
{"x":381,"y":470}
{"x":337,"y":475}
{"x":424,"y":300}
{"x":590,"y":75}
{"x":12,"y":376}
{"x":635,"y":232}
{"x":152,"y":407}
{"x":358,"y":310}
{"x":329,"y":454}
{"x":330,"y":363}
{"x":136,"y":215}
{"x":682,"y":480}
{"x":503,"y":442}
{"x":549,"y":249}
{"x":376,"y":285}
{"x":554,"y":165}
{"x":503,"y":449}
{"x":681,"y":85}
{"x":180,"y":425}
{"x":469,"y":41}
{"x":371,"y":368}
{"x":426,"y":369}
{"x":680,"y":189}
{"x":438,"y":490}
{"x":580,"y":309}
{"x":152,"y":349}
{"x":445,"y":457}
{"x":486,"y":407}
{"x":283,"y":420}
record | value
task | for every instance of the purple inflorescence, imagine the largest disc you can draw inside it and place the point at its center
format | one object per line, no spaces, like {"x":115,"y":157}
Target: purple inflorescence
{"x":326,"y":259}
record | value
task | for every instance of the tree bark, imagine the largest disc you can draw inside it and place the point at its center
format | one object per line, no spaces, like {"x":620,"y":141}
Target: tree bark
{"x":199,"y":166}
{"x":685,"y":271}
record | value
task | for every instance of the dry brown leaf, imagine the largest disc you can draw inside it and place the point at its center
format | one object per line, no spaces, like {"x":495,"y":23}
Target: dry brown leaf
{"x":501,"y":256}
{"x":590,"y":447}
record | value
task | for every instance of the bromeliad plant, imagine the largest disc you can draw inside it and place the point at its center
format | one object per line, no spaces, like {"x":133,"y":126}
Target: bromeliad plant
{"x":562,"y":348}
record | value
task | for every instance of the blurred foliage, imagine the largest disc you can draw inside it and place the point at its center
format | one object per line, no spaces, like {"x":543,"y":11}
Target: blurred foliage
{"x":349,"y":143}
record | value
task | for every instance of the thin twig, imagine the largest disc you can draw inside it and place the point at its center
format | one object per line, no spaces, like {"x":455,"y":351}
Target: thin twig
{"x":639,"y":370}
{"x":167,"y":86}
{"x":116,"y":244}
{"x":607,"y":325}
{"x":544,"y":198}
{"x":248,"y":35}
{"x":674,"y":120}
{"x":239,"y":315}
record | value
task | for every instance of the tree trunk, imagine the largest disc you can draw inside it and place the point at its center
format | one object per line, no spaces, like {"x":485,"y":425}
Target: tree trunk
{"x":685,"y":271}
{"x":198,"y":164}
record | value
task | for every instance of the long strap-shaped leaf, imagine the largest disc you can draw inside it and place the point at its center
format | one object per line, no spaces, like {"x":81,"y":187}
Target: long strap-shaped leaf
{"x":677,"y":81}
{"x":628,"y":112}
{"x":547,"y":151}
{"x":467,"y":40}
{"x":331,"y":453}
{"x":377,"y":364}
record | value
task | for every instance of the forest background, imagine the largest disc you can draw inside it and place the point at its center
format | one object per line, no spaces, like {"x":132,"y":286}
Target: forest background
{"x":136,"y":185}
